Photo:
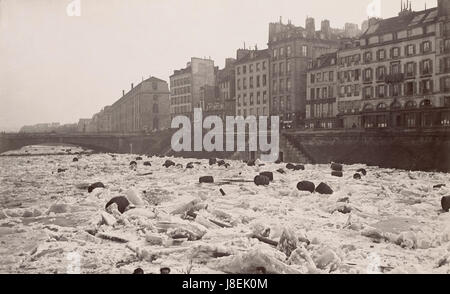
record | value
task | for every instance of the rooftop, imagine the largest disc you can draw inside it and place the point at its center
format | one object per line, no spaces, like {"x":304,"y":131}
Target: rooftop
{"x":405,"y":21}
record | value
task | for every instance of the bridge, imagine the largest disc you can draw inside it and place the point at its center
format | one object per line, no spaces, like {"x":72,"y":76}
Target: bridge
{"x":151,"y":143}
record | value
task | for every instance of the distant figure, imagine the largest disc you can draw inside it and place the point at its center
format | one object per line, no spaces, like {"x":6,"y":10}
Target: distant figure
{"x":165,"y":271}
{"x":138,"y":271}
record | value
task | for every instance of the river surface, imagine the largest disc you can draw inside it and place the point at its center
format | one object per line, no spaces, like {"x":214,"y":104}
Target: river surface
{"x":390,"y":221}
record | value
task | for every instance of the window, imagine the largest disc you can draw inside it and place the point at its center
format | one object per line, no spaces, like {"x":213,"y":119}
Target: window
{"x":396,"y":90}
{"x":410,"y":120}
{"x":426,"y":67}
{"x":258,"y":98}
{"x":410,"y":50}
{"x":258,"y":81}
{"x":251,"y":82}
{"x":445,"y":47}
{"x":395,"y":52}
{"x":381,"y":54}
{"x":244,"y":83}
{"x":381,"y":106}
{"x":445,"y":84}
{"x":381,"y":91}
{"x":250,"y":68}
{"x":395,"y":68}
{"x":426,"y":87}
{"x":251,"y":98}
{"x":367,"y":74}
{"x":244,"y":69}
{"x":288,"y":84}
{"x":275,"y":53}
{"x":426,"y":46}
{"x":331,"y":76}
{"x":410,"y":69}
{"x":264,"y":65}
{"x":238,"y":70}
{"x":281,"y":66}
{"x":288,"y":50}
{"x":368,"y":107}
{"x":264,"y":80}
{"x":368,"y":56}
{"x":381,"y":72}
{"x":409,"y":88}
{"x":281,"y":51}
{"x":258,"y":66}
{"x":425,"y":103}
{"x":312,"y":94}
{"x":288,"y":67}
{"x":304,"y":50}
{"x":368,"y":92}
{"x":324,"y":92}
{"x":410,"y":104}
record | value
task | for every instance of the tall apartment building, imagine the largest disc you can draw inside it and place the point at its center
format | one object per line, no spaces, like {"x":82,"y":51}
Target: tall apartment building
{"x":144,"y":108}
{"x":401,"y":78}
{"x":291,"y":49}
{"x":226,"y":83}
{"x":220,"y":100}
{"x":349,"y":84}
{"x":185,"y":85}
{"x":252,"y":83}
{"x":321,"y":103}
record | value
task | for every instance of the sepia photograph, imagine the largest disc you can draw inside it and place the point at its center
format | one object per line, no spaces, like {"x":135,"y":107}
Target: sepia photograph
{"x":206,"y":138}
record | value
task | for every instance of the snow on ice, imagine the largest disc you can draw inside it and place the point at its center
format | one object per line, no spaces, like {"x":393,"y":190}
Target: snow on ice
{"x":388,"y":221}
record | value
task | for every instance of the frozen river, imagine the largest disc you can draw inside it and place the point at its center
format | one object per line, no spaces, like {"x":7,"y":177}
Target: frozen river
{"x":390,"y":221}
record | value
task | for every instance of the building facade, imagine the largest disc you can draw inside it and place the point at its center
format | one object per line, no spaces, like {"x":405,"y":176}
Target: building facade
{"x":291,"y":50}
{"x":144,"y":108}
{"x":186,"y":83}
{"x":226,"y":84}
{"x":349,"y":85}
{"x":252,"y":83}
{"x":402,"y":80}
{"x":321,"y":102}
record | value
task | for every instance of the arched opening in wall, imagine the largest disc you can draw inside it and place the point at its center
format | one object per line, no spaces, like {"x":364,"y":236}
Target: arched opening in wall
{"x":381,"y":106}
{"x":410,"y":104}
{"x":368,"y":107}
{"x":425,"y":103}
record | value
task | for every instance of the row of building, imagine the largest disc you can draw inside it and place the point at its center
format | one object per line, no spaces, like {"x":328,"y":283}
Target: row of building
{"x":393,"y":73}
{"x":397,"y":74}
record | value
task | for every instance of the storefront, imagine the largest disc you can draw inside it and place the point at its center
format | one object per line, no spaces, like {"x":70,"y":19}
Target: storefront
{"x":423,"y":116}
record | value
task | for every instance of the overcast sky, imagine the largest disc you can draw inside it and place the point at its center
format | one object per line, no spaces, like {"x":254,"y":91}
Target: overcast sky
{"x":59,"y":68}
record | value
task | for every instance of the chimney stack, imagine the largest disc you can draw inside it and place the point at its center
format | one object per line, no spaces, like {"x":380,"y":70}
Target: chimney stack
{"x":310,"y":27}
{"x":132,"y":86}
{"x":123,"y":92}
